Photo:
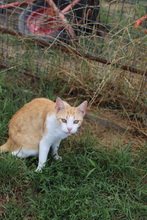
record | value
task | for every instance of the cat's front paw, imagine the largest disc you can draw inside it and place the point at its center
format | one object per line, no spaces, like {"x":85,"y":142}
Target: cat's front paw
{"x":39,"y":169}
{"x":57,"y":157}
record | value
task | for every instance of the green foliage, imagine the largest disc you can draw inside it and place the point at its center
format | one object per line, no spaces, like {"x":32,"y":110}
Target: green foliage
{"x":90,"y":183}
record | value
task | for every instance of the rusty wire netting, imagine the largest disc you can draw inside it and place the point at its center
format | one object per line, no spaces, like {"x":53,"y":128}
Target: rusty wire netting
{"x":108,"y":32}
{"x":97,"y":37}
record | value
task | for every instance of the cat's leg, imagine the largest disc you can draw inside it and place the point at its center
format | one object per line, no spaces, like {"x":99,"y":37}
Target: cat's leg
{"x":19,"y":153}
{"x":55,"y":147}
{"x":24,"y":153}
{"x":44,"y":148}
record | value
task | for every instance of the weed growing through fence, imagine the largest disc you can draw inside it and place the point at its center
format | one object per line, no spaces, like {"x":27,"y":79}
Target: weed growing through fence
{"x":92,"y":182}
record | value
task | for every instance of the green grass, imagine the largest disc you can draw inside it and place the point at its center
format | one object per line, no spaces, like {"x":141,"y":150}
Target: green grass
{"x":91,"y":183}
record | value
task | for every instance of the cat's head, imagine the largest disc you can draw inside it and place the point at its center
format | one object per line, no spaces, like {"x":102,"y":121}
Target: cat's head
{"x":70,"y":118}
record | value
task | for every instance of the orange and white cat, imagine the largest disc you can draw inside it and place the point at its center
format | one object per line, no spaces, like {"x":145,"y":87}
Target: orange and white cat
{"x":40,"y":125}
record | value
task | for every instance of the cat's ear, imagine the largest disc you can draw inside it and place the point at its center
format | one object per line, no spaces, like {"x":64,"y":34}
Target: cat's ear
{"x":82,"y":107}
{"x":59,"y":104}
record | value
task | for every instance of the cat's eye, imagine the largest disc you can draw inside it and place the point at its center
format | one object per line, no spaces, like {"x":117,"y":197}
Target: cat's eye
{"x":76,"y":121}
{"x":63,"y":120}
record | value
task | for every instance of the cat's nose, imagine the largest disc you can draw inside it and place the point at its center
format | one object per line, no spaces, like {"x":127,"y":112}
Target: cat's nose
{"x":69,"y":129}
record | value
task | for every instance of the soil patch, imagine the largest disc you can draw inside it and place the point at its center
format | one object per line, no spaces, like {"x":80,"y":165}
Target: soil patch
{"x":113,"y":129}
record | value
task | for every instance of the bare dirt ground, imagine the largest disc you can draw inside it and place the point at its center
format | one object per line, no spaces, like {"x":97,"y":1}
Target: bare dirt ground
{"x":113,"y":129}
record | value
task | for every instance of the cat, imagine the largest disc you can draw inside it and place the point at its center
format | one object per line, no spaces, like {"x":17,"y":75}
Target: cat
{"x":40,"y":125}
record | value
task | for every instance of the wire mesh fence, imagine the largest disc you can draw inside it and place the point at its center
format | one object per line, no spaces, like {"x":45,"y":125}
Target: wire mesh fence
{"x":95,"y":44}
{"x":99,"y":28}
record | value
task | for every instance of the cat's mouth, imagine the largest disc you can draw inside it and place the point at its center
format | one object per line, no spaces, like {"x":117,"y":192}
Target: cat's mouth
{"x":69,"y":133}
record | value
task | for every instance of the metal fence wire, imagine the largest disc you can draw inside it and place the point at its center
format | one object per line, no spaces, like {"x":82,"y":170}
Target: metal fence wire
{"x":111,"y":32}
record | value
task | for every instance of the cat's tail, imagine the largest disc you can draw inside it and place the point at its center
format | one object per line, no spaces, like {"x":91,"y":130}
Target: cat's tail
{"x":5,"y":147}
